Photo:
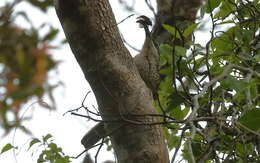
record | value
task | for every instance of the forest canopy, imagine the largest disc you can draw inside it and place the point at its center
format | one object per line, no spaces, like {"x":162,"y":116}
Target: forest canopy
{"x":208,"y":100}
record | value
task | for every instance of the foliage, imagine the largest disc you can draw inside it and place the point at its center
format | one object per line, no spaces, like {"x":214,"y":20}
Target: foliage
{"x":51,"y":152}
{"x":6,"y":148}
{"x":24,"y":63}
{"x":212,"y":91}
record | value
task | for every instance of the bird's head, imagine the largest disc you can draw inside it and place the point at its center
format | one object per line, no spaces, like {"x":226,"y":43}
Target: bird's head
{"x":143,"y":21}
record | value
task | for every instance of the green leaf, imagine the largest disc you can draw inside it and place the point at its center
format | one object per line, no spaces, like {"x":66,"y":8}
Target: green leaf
{"x":173,"y":141}
{"x":224,"y":43}
{"x":165,"y":54}
{"x":251,"y":119}
{"x":62,"y":160}
{"x":190,"y":29}
{"x":51,"y":35}
{"x":232,"y":83}
{"x":166,"y":71}
{"x":180,"y":51}
{"x":211,"y":5}
{"x":166,"y":87}
{"x":45,"y":138}
{"x":6,"y":148}
{"x":54,"y":147}
{"x":34,"y":141}
{"x":197,"y":149}
{"x":225,"y":10}
{"x":175,"y":100}
{"x":185,"y":112}
{"x":171,"y":30}
{"x":257,"y":57}
{"x":177,"y":112}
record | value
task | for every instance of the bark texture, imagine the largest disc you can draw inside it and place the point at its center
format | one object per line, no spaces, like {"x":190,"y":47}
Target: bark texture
{"x":177,"y":13}
{"x":91,"y":31}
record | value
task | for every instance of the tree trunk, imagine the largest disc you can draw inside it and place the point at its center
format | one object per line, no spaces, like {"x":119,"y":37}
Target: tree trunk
{"x":92,"y":33}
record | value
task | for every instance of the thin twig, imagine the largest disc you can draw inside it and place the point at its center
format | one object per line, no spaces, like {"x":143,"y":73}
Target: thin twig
{"x":178,"y":147}
{"x":99,"y":148}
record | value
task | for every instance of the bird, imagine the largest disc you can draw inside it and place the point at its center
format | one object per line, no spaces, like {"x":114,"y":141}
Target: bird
{"x":147,"y":61}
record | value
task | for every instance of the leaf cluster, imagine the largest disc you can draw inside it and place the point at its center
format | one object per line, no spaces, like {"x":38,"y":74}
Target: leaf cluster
{"x":51,"y":152}
{"x":25,"y":61}
{"x":214,"y":87}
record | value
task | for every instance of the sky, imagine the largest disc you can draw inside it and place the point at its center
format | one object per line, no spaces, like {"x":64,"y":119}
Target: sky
{"x":67,"y":130}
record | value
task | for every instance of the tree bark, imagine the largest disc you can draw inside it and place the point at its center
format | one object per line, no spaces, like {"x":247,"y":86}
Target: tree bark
{"x":177,"y":13}
{"x":91,"y":31}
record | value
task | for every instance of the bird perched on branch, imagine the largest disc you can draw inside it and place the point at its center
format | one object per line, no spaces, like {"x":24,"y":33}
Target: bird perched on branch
{"x":147,"y":62}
